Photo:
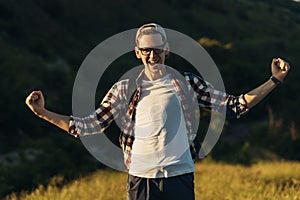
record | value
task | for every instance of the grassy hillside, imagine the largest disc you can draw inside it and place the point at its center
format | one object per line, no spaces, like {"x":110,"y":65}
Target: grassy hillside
{"x":43,"y":43}
{"x":272,"y":181}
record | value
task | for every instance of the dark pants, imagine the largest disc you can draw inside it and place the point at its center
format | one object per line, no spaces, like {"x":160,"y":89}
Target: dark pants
{"x":174,"y":188}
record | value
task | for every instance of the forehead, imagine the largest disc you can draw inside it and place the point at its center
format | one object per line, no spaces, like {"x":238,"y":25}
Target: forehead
{"x":150,"y":40}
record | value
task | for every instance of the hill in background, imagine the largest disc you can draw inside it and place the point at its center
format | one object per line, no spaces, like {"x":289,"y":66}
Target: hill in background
{"x":43,"y":43}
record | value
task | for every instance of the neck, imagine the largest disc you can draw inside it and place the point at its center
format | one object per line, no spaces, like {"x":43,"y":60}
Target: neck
{"x":154,"y":76}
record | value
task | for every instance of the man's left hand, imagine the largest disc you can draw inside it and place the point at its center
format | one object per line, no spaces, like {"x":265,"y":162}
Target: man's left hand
{"x":279,"y":68}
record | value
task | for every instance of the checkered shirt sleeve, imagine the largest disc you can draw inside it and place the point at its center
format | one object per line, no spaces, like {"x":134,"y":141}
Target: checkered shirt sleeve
{"x":100,"y":119}
{"x":208,"y":97}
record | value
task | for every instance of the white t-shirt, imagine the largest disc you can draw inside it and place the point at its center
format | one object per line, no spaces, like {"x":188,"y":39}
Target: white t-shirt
{"x":161,"y":147}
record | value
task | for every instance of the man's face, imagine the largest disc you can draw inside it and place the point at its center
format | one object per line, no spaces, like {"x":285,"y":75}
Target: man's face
{"x":152,"y":50}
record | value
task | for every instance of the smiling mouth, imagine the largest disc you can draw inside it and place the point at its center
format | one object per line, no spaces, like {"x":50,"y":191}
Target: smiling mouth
{"x":153,"y":63}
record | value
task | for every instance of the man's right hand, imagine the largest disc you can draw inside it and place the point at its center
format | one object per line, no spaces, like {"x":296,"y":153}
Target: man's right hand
{"x":35,"y":101}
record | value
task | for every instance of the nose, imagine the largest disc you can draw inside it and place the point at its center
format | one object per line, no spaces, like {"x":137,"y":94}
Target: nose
{"x":152,"y":53}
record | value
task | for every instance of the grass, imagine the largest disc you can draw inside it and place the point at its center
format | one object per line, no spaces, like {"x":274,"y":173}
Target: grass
{"x":267,"y":181}
{"x":272,"y":181}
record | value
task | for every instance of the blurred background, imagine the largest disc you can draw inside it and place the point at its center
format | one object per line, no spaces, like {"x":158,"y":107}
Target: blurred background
{"x":44,"y":42}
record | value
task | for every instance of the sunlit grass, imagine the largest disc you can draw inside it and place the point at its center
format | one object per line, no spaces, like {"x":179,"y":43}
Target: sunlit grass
{"x":272,"y":180}
{"x":280,"y":180}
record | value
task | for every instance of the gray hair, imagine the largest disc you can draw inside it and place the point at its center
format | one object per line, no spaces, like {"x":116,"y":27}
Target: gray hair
{"x":151,"y":28}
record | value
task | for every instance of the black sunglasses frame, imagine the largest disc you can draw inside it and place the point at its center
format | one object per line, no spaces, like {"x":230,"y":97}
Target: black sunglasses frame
{"x":157,"y":50}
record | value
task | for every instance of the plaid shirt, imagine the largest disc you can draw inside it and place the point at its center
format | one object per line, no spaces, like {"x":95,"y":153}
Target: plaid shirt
{"x":118,"y":104}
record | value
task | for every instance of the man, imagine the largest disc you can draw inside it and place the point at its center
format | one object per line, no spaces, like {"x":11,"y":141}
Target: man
{"x":157,"y":155}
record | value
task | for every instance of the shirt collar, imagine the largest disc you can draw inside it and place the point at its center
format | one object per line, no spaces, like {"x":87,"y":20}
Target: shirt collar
{"x":169,"y":70}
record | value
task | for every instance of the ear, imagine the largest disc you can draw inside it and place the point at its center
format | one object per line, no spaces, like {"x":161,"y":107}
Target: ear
{"x":167,"y":48}
{"x":137,"y":52}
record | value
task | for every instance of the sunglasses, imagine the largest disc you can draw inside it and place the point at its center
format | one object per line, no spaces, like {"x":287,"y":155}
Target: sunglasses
{"x":157,"y":50}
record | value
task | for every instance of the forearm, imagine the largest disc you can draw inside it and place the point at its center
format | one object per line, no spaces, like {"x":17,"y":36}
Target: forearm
{"x":61,"y":121}
{"x":256,"y":95}
{"x":279,"y":69}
